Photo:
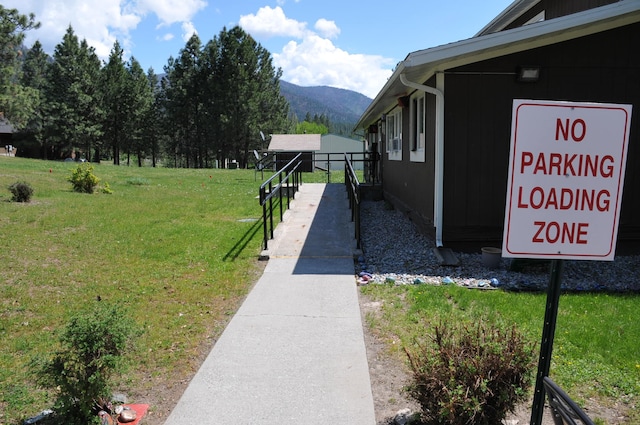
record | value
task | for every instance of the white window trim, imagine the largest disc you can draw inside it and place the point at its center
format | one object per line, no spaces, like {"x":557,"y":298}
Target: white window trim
{"x":418,"y":111}
{"x":394,"y":135}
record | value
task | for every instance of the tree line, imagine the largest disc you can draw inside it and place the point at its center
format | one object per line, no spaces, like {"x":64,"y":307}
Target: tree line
{"x":209,"y":105}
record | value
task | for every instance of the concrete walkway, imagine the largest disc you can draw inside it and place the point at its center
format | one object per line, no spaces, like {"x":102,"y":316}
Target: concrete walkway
{"x":294,"y":352}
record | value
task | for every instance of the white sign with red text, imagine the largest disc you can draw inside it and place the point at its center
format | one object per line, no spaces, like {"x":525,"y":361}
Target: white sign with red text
{"x":566,"y":173}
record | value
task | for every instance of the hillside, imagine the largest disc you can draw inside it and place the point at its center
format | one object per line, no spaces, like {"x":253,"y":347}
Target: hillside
{"x":339,"y":105}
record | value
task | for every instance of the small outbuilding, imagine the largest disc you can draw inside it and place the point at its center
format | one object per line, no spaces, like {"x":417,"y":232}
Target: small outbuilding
{"x":287,"y":146}
{"x":6,"y":137}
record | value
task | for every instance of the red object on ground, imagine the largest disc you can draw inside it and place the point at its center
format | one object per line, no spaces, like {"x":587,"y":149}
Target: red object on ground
{"x":140,"y":410}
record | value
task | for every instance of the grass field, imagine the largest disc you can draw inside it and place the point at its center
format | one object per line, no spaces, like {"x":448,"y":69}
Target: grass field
{"x":178,"y":248}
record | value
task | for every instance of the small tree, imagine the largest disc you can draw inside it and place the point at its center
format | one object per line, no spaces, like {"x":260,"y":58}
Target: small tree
{"x":470,"y":374}
{"x":21,"y":192}
{"x":83,"y":179}
{"x":92,"y":348}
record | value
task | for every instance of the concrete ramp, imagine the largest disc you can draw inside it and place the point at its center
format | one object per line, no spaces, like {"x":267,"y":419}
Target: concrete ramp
{"x":294,"y":352}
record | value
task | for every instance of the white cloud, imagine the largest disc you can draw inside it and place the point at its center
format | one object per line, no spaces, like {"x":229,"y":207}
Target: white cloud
{"x":102,"y":22}
{"x":272,"y":22}
{"x":99,"y":22}
{"x":317,"y":61}
{"x":188,"y":29}
{"x":171,"y":11}
{"x":312,"y":58}
{"x":327,"y":28}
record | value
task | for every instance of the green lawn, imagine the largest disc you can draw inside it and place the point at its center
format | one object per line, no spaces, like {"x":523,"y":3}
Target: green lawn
{"x":596,"y":351}
{"x":178,"y":248}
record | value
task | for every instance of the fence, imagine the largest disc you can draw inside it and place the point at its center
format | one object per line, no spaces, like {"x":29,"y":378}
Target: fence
{"x":354,"y":194}
{"x":289,"y":179}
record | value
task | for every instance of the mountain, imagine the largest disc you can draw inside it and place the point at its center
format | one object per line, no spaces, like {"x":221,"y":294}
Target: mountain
{"x":339,"y":105}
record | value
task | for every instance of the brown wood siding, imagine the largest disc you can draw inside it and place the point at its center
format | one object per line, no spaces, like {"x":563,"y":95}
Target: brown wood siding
{"x":409,"y":185}
{"x":555,"y":9}
{"x":598,"y":68}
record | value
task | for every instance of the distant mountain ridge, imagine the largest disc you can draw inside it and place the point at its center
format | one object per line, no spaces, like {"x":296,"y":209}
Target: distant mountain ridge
{"x":341,"y":106}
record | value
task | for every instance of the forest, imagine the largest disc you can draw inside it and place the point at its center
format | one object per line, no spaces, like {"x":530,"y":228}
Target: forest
{"x":207,"y":107}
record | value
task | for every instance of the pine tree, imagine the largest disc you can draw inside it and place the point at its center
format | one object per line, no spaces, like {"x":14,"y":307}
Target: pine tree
{"x":139,"y":101}
{"x":16,"y":102}
{"x":251,"y":89}
{"x":152,"y":125}
{"x":113,"y":80}
{"x":183,"y":104}
{"x":73,"y":110}
{"x":34,"y":76}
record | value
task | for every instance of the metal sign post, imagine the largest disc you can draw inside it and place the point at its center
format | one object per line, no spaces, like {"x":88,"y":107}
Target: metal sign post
{"x":546,"y":346}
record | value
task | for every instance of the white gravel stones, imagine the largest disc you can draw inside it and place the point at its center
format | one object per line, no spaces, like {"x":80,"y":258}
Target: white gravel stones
{"x":396,"y":253}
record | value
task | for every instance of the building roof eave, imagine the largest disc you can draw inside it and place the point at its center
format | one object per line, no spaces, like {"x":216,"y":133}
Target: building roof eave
{"x":421,"y":65}
{"x":507,"y":16}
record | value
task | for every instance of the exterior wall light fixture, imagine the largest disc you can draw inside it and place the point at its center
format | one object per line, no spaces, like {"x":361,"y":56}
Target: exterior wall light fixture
{"x":528,"y":74}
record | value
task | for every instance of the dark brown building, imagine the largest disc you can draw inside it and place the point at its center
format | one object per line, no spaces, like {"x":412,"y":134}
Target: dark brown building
{"x":442,"y":121}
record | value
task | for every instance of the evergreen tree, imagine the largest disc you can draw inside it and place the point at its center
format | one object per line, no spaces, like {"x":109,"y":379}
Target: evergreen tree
{"x":113,"y":80}
{"x":139,"y":101}
{"x":183,"y":104}
{"x":218,"y":99}
{"x":16,"y":102}
{"x":73,"y":109}
{"x":251,"y":89}
{"x":152,"y":124}
{"x":34,"y":70}
{"x":91,"y":113}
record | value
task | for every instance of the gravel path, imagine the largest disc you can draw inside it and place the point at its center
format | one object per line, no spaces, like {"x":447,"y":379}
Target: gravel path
{"x":394,"y":251}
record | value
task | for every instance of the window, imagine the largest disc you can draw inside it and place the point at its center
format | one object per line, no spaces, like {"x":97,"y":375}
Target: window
{"x":394,"y":135}
{"x":418,"y":127}
{"x":417,"y":123}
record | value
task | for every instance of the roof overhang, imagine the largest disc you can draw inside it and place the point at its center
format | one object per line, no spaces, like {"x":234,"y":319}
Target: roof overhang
{"x":295,"y":142}
{"x":421,"y":65}
{"x":507,"y":16}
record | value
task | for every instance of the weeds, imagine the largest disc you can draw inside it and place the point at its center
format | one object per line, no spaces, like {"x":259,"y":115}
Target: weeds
{"x":470,"y":373}
{"x":21,"y":191}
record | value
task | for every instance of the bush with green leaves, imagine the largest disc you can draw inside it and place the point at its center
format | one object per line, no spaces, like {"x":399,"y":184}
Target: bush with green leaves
{"x":21,"y":191}
{"x":83,"y":179}
{"x":470,"y":373}
{"x":92,"y":350}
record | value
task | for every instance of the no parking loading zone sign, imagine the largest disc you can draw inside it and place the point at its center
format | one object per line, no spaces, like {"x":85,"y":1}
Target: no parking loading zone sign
{"x":564,"y":194}
{"x":566,"y":173}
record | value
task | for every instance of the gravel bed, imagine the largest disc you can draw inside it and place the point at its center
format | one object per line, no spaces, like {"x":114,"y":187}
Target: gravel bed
{"x":395,"y":252}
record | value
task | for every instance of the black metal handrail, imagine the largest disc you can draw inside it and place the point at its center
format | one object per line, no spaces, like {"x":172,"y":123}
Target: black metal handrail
{"x":353,"y":192}
{"x":290,"y":178}
{"x":366,"y":160}
{"x":565,"y":410}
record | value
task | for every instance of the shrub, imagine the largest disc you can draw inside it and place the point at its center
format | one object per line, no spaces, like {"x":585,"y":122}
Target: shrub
{"x":107,"y":189}
{"x":470,"y":374}
{"x":83,"y":179}
{"x":21,"y":191}
{"x":92,"y":349}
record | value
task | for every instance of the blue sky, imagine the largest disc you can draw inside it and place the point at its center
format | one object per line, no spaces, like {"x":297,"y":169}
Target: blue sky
{"x":341,"y":43}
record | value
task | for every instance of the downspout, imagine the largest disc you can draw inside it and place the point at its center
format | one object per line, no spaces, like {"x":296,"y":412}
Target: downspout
{"x":439,"y":152}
